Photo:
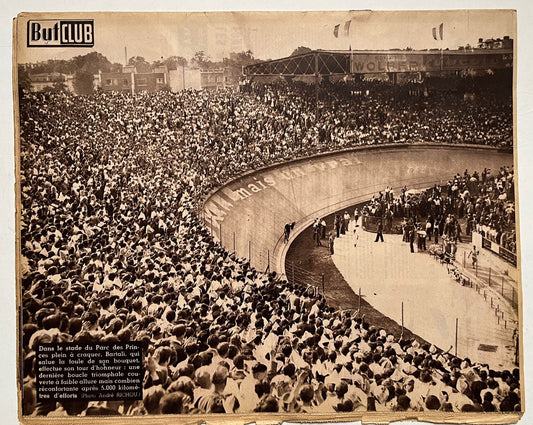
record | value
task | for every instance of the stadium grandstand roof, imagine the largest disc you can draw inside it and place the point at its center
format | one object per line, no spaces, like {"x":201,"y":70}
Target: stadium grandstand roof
{"x":342,"y":62}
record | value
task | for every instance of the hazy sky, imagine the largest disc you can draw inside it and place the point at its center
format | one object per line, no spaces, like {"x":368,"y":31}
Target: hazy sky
{"x":271,"y":35}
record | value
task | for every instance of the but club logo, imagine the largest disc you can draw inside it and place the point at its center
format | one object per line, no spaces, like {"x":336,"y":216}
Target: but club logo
{"x":61,"y":33}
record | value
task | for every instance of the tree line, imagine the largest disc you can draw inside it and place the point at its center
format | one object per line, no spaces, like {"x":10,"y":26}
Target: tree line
{"x":83,"y":67}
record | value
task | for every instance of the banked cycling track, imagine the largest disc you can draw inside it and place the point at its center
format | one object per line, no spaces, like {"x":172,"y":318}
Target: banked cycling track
{"x":248,"y":214}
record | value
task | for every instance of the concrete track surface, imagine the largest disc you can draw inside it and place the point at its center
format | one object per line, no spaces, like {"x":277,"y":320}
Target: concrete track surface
{"x":249,"y":213}
{"x":434,"y":306}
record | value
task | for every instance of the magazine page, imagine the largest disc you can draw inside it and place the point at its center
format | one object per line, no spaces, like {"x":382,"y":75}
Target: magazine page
{"x":268,"y":216}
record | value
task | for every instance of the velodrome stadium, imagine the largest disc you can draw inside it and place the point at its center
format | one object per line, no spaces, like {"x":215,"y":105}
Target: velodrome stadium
{"x":334,"y":233}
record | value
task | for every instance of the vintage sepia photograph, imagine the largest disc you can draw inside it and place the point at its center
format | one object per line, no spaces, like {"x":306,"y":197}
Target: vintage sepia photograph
{"x":268,"y":216}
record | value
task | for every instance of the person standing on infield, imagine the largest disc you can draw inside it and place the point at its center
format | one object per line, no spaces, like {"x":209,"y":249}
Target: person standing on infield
{"x":379,"y":234}
{"x":331,"y":243}
{"x":473,"y":253}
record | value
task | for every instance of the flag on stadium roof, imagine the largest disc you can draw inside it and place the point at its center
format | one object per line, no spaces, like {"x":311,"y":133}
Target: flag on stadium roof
{"x":441,"y":28}
{"x":347,"y":28}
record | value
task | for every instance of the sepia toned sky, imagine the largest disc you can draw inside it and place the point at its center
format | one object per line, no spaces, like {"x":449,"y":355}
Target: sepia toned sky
{"x":271,"y":35}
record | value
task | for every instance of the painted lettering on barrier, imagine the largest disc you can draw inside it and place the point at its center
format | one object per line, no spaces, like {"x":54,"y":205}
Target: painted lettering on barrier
{"x":217,"y":206}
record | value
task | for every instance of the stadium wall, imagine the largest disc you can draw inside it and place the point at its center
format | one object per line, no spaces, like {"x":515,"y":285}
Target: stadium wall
{"x":248,"y":214}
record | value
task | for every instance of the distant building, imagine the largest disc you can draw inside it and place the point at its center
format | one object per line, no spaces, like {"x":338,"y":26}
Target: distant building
{"x":116,"y":81}
{"x":131,"y":81}
{"x":498,"y":43}
{"x":129,"y":69}
{"x":213,"y":79}
{"x":45,"y":80}
{"x":184,"y":78}
{"x":198,"y":79}
{"x":69,"y":82}
{"x":27,"y":66}
{"x":97,"y":81}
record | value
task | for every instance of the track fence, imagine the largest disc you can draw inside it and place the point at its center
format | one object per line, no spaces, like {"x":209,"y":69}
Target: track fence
{"x":495,"y":288}
{"x":302,"y":277}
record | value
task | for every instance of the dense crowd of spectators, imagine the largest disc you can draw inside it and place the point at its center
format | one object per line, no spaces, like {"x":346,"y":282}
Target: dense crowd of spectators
{"x":485,"y":201}
{"x":380,"y":112}
{"x":113,"y":250}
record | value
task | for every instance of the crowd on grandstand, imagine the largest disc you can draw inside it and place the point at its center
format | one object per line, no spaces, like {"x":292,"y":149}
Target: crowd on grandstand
{"x":380,"y":112}
{"x":113,"y":250}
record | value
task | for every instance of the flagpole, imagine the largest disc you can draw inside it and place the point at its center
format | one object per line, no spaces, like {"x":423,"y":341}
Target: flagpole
{"x":347,"y":26}
{"x":316,"y":86}
{"x":441,"y":29}
{"x":351,"y":58}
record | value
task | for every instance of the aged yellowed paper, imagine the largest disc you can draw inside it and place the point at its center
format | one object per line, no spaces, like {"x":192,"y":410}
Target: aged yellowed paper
{"x":268,"y":216}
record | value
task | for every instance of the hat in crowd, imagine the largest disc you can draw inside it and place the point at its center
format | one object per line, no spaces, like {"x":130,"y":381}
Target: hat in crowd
{"x":268,"y":404}
{"x":28,"y":329}
{"x":174,"y":403}
{"x":43,"y":336}
{"x":425,"y":376}
{"x":446,"y":407}
{"x":280,"y":379}
{"x":202,"y":377}
{"x":345,"y":406}
{"x":220,"y":375}
{"x":259,"y":368}
{"x":403,"y":402}
{"x":432,"y":403}
{"x":152,"y":397}
{"x":307,"y":393}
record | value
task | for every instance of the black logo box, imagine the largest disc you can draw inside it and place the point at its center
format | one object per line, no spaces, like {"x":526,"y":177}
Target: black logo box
{"x":60,"y":33}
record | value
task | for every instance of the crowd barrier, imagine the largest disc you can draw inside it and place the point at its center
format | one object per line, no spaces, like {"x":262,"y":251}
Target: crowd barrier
{"x":495,"y":288}
{"x":302,"y":277}
{"x":479,"y":240}
{"x":261,"y":258}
